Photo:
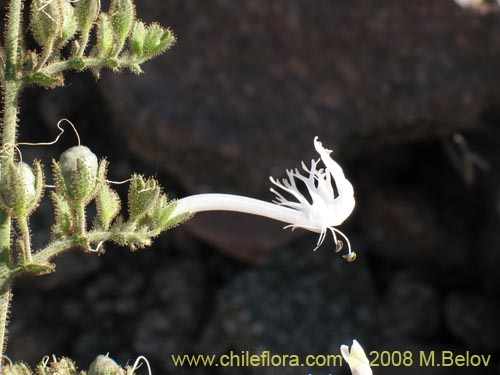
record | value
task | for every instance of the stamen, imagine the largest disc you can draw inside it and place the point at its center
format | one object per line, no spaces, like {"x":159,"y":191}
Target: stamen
{"x":339,"y":245}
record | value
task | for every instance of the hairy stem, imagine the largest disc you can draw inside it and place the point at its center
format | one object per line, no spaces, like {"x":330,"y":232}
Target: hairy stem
{"x":57,"y":247}
{"x":25,"y":237}
{"x":83,"y":42}
{"x":47,"y":52}
{"x":5,"y":297}
{"x":80,"y":219}
{"x":87,"y":63}
{"x":12,"y":36}
{"x":10,"y":97}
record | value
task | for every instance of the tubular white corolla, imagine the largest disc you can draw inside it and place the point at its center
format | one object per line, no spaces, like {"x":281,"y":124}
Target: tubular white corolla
{"x":330,"y":202}
{"x":356,"y":359}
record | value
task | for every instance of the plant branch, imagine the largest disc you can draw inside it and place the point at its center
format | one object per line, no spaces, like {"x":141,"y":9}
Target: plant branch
{"x":44,"y":255}
{"x":89,"y":63}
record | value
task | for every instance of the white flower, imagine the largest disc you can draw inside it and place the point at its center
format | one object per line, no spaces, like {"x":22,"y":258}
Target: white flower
{"x":356,"y":359}
{"x":327,"y":208}
{"x":330,"y":200}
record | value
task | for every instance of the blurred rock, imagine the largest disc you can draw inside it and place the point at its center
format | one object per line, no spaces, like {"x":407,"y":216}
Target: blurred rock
{"x":248,"y":85}
{"x":474,"y":319}
{"x":71,"y":267}
{"x":298,"y":302}
{"x":404,"y":226}
{"x":410,"y":309}
{"x":170,"y":324}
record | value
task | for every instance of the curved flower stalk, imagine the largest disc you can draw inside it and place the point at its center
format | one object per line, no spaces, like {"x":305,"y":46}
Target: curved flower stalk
{"x":330,"y":201}
{"x":356,"y":359}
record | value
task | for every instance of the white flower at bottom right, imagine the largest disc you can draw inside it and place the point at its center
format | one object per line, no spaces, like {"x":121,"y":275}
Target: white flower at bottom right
{"x":356,"y":359}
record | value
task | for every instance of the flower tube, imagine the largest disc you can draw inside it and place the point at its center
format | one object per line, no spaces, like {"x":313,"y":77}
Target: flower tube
{"x":328,"y":203}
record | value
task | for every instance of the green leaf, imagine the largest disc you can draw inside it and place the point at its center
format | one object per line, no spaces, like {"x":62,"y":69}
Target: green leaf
{"x":46,"y":80}
{"x":39,"y":269}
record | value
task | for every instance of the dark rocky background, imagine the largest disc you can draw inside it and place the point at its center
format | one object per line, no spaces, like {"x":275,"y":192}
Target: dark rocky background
{"x":406,"y":92}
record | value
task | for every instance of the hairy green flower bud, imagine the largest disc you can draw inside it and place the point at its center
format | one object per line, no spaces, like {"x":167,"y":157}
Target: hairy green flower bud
{"x":69,"y":160}
{"x":47,"y":19}
{"x":79,"y":168}
{"x":142,"y":196}
{"x":86,"y":12}
{"x":137,"y":38}
{"x":21,"y":189}
{"x":69,"y":25}
{"x":157,"y":40}
{"x":103,"y":365}
{"x":122,"y":14}
{"x":104,"y":36}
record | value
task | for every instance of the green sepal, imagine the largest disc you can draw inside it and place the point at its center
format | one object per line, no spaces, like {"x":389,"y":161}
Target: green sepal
{"x":86,"y":12}
{"x":69,"y":25}
{"x":105,"y":37}
{"x":160,"y":218}
{"x":142,"y":196}
{"x":81,"y":183}
{"x":59,"y":182}
{"x":107,"y":206}
{"x":46,"y":21}
{"x":39,"y":269}
{"x":46,"y":80}
{"x":122,"y":13}
{"x":63,"y":219}
{"x":39,"y":185}
{"x":137,"y":38}
{"x":157,"y":40}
